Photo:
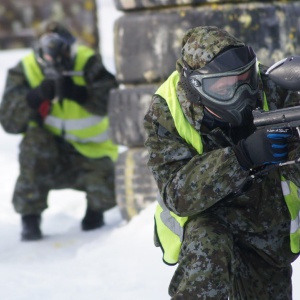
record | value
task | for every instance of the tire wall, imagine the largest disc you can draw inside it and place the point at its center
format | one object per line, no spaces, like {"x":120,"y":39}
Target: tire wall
{"x":147,"y":43}
{"x":135,"y":186}
{"x":21,"y":20}
{"x":131,"y":5}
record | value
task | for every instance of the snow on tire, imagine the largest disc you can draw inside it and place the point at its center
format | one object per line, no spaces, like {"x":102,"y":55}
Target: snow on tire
{"x":134,"y":183}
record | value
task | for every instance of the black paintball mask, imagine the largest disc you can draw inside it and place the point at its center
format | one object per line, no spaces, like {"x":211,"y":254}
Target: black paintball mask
{"x":228,"y":85}
{"x":53,"y":54}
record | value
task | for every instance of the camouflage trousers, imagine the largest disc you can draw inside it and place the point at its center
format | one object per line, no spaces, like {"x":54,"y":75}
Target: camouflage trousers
{"x":216,"y":263}
{"x":48,"y":163}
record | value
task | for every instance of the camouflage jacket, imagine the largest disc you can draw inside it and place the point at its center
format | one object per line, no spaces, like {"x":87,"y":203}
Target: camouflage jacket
{"x":190,"y":183}
{"x":15,"y":113}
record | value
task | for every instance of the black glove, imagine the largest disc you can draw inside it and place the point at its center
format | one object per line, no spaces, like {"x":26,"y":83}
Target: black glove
{"x":45,"y":91}
{"x":264,"y":146}
{"x":74,"y":92}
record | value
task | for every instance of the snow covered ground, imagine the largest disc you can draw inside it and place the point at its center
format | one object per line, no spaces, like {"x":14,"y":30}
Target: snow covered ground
{"x":116,"y":262}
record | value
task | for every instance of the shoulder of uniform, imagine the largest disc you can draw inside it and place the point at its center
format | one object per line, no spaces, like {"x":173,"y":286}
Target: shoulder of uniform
{"x":160,"y":113}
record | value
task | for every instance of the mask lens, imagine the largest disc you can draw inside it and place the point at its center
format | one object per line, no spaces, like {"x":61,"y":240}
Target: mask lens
{"x":224,"y":88}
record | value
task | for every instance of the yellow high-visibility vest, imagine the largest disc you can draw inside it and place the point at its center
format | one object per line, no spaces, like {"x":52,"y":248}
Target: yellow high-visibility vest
{"x":291,"y":195}
{"x":88,"y":133}
{"x":170,"y":227}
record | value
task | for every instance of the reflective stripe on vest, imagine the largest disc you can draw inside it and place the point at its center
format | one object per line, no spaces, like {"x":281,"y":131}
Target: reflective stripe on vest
{"x":73,"y":125}
{"x":169,"y":226}
{"x":292,"y":198}
{"x":86,"y":132}
{"x":170,"y":230}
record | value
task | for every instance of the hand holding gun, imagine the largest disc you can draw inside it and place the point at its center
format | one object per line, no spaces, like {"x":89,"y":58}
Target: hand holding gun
{"x":267,"y":147}
{"x":51,"y":72}
{"x":286,"y":73}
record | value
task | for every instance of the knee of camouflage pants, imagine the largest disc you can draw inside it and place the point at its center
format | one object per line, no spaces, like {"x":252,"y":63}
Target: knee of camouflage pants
{"x":38,"y":154}
{"x":37,"y":158}
{"x":215,"y":263}
{"x":99,"y":182}
{"x":206,"y":258}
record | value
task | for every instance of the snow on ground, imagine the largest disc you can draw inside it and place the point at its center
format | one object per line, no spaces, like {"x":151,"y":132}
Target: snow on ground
{"x":116,"y":262}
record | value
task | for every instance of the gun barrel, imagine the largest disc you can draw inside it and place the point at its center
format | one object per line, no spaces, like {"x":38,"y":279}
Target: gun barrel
{"x":278,"y":116}
{"x":72,"y":73}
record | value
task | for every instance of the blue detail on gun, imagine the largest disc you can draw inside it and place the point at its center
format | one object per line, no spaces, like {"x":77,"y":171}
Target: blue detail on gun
{"x":285,"y":73}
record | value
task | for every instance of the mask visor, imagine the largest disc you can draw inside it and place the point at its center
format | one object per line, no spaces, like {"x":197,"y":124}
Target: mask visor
{"x":223,"y":87}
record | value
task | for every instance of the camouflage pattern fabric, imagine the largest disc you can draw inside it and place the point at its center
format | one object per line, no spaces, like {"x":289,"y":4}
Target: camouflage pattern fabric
{"x":201,"y":44}
{"x":217,"y":262}
{"x":48,"y":162}
{"x":233,"y":246}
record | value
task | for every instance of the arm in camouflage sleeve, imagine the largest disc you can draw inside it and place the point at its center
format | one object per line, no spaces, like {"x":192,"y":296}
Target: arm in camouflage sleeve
{"x":14,"y":111}
{"x":189,"y":183}
{"x":99,"y":82}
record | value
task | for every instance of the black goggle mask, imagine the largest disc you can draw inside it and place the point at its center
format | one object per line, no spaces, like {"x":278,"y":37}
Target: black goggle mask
{"x":53,"y":51}
{"x":224,"y":79}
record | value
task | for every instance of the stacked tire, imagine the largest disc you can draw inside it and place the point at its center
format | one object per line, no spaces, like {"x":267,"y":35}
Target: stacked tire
{"x":147,"y":40}
{"x":20,"y":21}
{"x":135,"y":186}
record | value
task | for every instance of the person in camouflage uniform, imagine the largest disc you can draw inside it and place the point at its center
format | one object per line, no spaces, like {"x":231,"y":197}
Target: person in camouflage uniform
{"x":63,"y":119}
{"x":236,"y":241}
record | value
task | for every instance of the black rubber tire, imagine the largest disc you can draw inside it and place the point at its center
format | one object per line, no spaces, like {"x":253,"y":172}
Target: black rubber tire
{"x":125,"y":5}
{"x":22,"y":21}
{"x":148,"y":43}
{"x":135,"y":185}
{"x":126,"y":110}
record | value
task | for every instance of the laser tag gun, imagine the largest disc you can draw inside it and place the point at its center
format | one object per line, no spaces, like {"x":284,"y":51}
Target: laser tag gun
{"x":285,"y":73}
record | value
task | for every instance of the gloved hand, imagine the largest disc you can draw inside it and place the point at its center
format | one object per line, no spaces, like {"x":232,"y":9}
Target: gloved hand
{"x":264,"y":146}
{"x":39,"y":98}
{"x":74,"y":92}
{"x":45,"y":91}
